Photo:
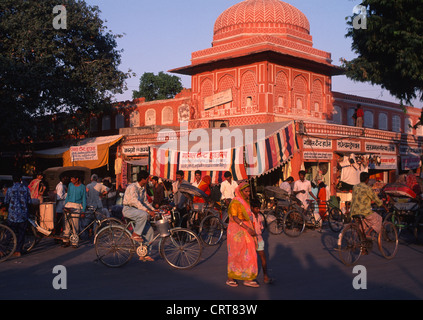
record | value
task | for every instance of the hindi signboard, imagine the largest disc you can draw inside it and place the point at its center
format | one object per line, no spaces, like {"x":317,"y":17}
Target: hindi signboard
{"x":83,"y":153}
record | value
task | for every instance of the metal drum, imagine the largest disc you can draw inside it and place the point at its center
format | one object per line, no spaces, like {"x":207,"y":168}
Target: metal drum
{"x":163,"y":227}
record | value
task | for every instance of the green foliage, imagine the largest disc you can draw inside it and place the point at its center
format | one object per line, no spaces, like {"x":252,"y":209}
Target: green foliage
{"x":158,"y":87}
{"x":390,"y":49}
{"x":44,"y":70}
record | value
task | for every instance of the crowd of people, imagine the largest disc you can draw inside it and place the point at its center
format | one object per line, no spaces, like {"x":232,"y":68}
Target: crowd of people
{"x":146,"y":195}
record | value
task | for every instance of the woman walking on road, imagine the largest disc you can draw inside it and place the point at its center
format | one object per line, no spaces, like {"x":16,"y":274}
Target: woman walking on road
{"x":241,"y":240}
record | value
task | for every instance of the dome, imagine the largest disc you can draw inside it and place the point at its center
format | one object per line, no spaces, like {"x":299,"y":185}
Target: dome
{"x":251,"y":17}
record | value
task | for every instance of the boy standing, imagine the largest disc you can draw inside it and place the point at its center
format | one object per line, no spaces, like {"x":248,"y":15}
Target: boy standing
{"x":258,"y":227}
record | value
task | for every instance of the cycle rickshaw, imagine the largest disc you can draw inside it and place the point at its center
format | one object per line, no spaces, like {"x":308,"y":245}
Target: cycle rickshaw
{"x":202,"y":218}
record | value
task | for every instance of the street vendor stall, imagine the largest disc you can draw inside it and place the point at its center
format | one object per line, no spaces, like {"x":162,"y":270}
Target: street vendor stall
{"x":245,"y":151}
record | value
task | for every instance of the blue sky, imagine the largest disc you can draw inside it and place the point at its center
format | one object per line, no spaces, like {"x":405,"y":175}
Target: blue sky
{"x":160,"y":35}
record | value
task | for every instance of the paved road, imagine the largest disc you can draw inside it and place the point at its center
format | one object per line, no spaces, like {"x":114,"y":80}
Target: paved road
{"x":305,"y":268}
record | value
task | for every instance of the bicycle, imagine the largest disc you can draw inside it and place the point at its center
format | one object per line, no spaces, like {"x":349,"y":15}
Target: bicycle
{"x":8,"y":242}
{"x":406,"y":216}
{"x":98,"y":223}
{"x":181,"y":248}
{"x":202,"y":218}
{"x":288,"y":218}
{"x":336,"y":218}
{"x":352,"y":241}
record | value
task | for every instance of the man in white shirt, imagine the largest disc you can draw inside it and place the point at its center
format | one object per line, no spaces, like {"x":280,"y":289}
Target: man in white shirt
{"x":227,"y":188}
{"x":302,"y":189}
{"x":287,"y":185}
{"x":197,"y":178}
{"x":178,"y":198}
{"x":137,"y":208}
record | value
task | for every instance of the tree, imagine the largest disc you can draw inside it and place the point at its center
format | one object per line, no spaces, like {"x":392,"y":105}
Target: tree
{"x":158,"y":87}
{"x":54,"y":61}
{"x":389,"y":45}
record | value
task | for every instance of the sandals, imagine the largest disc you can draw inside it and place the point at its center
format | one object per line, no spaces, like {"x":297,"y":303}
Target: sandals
{"x":232,"y":283}
{"x":146,"y":258}
{"x":253,"y":284}
{"x":137,"y":238}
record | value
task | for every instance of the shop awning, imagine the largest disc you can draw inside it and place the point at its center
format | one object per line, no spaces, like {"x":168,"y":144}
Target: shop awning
{"x":91,"y":152}
{"x":246,"y":151}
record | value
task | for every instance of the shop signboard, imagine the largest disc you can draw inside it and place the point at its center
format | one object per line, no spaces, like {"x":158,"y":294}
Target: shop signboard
{"x":316,"y":143}
{"x":386,"y":163}
{"x":310,"y":155}
{"x":135,"y":150}
{"x":374,"y":147}
{"x":348,"y":145}
{"x":83,"y":153}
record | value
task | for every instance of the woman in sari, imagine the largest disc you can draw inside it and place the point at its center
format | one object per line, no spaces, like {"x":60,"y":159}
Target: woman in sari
{"x":241,"y":240}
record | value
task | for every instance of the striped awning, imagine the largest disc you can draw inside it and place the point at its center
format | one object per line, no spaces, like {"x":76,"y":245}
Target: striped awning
{"x":245,"y":151}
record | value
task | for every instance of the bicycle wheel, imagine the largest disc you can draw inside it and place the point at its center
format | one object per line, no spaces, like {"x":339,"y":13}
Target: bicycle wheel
{"x":349,"y":244}
{"x":107,"y":222}
{"x":276,"y":226}
{"x":31,"y":238}
{"x":388,"y":240}
{"x":336,"y":219}
{"x":211,"y":230}
{"x":114,"y":246}
{"x":392,"y":217}
{"x":8,"y":242}
{"x":293,"y":223}
{"x":182,"y":249}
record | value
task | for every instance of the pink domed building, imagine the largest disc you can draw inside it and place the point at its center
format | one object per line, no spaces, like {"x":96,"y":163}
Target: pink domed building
{"x":262,"y":70}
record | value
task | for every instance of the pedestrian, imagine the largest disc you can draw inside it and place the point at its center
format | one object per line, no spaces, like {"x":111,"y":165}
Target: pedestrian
{"x":204,"y":186}
{"x":302,"y":189}
{"x":227,"y":188}
{"x":61,"y":192}
{"x":18,"y":198}
{"x":137,"y":208}
{"x":287,"y":185}
{"x":178,"y":198}
{"x":322,"y":197}
{"x":76,"y":202}
{"x":359,"y":116}
{"x":37,"y":189}
{"x":158,"y":192}
{"x":197,"y":178}
{"x":241,"y":240}
{"x":95,"y":192}
{"x":258,"y":227}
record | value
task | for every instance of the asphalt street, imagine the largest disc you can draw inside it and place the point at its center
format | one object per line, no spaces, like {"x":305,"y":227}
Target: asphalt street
{"x":307,"y":267}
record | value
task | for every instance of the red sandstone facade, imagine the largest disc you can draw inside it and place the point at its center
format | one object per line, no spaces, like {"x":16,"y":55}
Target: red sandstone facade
{"x":262,"y":67}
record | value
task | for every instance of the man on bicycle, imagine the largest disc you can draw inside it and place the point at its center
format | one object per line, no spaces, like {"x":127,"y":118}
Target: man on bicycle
{"x":137,"y":208}
{"x":361,"y":204}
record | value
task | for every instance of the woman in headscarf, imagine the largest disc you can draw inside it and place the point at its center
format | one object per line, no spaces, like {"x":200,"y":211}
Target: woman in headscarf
{"x":204,"y":186}
{"x":241,"y":240}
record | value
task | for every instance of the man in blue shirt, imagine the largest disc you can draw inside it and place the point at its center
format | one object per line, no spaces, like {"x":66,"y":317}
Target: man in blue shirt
{"x":76,"y":200}
{"x":18,"y":198}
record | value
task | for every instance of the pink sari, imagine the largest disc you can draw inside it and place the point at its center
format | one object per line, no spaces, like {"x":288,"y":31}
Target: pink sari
{"x":242,"y":255}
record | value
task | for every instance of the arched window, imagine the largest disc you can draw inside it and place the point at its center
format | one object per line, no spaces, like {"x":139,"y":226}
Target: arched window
{"x":350,"y":120}
{"x":368,"y":119}
{"x":408,"y":123}
{"x":383,"y":121}
{"x":396,"y":124}
{"x":150,"y":117}
{"x":337,"y":115}
{"x":105,"y":123}
{"x":167,"y":115}
{"x":134,"y":119}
